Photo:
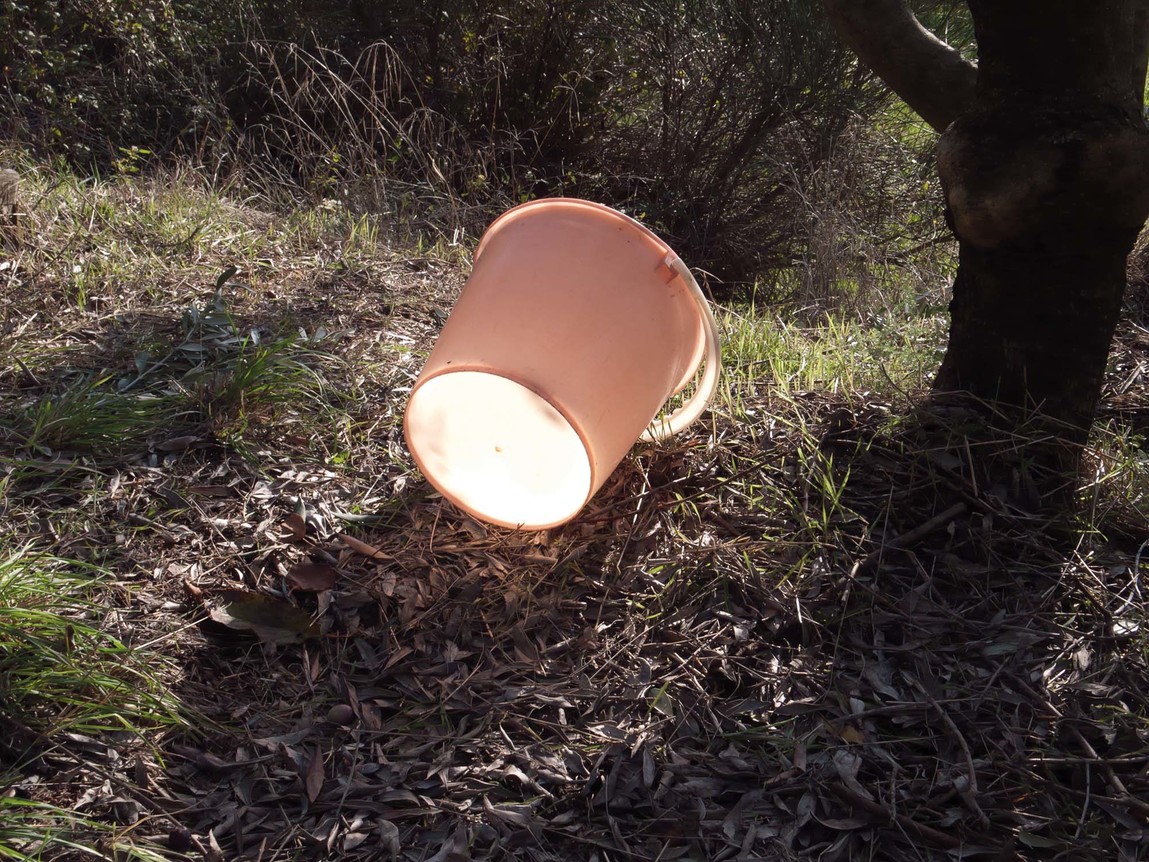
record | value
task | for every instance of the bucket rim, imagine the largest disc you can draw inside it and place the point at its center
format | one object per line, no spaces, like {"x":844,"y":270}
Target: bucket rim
{"x":556,"y":403}
{"x":571,"y":203}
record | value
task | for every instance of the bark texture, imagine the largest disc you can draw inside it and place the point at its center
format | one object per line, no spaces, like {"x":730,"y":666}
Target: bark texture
{"x":1045,"y":168}
{"x":1047,"y":185}
{"x":929,"y":75}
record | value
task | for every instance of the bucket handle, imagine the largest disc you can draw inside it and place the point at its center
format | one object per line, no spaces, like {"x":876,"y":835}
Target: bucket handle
{"x":668,"y":426}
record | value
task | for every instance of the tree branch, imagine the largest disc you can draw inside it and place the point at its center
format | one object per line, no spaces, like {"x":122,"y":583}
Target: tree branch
{"x":930,"y":76}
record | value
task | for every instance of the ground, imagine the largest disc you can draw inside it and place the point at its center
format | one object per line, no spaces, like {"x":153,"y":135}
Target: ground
{"x":805,"y":629}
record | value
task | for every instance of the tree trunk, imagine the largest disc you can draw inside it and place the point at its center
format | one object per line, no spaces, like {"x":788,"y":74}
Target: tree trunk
{"x":1046,"y":180}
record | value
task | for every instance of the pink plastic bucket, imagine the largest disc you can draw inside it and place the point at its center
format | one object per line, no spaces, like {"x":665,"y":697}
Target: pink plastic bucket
{"x":575,"y":326}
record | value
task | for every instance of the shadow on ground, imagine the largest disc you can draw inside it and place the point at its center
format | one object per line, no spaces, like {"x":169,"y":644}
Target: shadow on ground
{"x":832,"y":642}
{"x":814,"y":634}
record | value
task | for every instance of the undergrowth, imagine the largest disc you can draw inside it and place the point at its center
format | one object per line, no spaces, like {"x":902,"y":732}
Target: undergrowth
{"x":202,"y":404}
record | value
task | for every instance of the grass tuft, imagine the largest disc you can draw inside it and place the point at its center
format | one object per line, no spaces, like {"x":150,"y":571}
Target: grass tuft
{"x":62,"y":671}
{"x":66,"y":681}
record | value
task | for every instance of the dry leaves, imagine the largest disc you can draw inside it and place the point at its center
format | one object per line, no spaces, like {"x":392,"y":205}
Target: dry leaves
{"x":271,"y":619}
{"x":312,"y":577}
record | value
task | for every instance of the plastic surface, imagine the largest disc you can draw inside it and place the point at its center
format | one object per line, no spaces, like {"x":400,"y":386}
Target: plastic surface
{"x":575,"y":326}
{"x":662,"y":428}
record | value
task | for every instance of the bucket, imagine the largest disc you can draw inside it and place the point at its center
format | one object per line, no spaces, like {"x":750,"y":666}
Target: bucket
{"x":576,"y":325}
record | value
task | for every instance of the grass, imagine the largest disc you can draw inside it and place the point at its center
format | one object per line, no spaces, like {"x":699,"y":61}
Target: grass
{"x":65,"y":675}
{"x":837,"y":356}
{"x":809,"y":602}
{"x":62,"y":674}
{"x":1116,"y":494}
{"x":34,"y":831}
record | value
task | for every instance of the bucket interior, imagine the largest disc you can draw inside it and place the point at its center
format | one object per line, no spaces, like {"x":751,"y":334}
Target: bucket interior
{"x":498,"y":450}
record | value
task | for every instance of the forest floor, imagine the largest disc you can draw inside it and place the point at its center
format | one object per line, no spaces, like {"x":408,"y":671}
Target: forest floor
{"x":236,"y":623}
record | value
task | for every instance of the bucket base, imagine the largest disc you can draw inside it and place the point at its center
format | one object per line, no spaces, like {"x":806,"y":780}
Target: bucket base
{"x":498,"y":450}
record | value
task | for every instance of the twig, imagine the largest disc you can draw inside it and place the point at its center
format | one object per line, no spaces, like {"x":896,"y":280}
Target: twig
{"x":1135,"y":807}
{"x":1106,"y":769}
{"x":908,"y":538}
{"x":970,"y":793}
{"x":1139,"y":760}
{"x":1137,"y":569}
{"x":1121,"y":792}
{"x":926,"y":833}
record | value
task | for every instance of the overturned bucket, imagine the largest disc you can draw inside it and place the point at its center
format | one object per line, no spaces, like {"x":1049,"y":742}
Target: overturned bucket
{"x":576,"y":325}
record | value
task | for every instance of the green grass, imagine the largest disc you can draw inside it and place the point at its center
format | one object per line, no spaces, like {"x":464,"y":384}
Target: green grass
{"x":888,"y":358}
{"x":216,"y":376}
{"x":112,"y":412}
{"x":128,"y":226}
{"x":36,"y":831}
{"x":1116,"y":495}
{"x":62,"y":672}
{"x":87,"y":416}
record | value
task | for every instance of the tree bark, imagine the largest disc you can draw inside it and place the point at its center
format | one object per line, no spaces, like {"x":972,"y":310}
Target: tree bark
{"x":1046,"y":180}
{"x":929,"y":75}
{"x":1045,"y":168}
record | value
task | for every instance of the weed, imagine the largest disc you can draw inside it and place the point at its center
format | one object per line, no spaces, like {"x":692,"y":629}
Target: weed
{"x":65,"y":677}
{"x":62,"y":672}
{"x":87,"y":417}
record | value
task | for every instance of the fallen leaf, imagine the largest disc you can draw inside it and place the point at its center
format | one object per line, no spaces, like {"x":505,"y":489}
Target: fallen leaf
{"x":1030,"y":839}
{"x":177,"y":444}
{"x":519,"y":816}
{"x":847,"y":765}
{"x":271,"y":619}
{"x":852,"y":735}
{"x":843,"y":824}
{"x":313,"y":779}
{"x":1125,"y":628}
{"x":649,"y":768}
{"x":800,"y":756}
{"x":214,"y":852}
{"x":363,"y":548}
{"x":478,"y":531}
{"x":213,"y":490}
{"x":313,"y":577}
{"x":173,"y":499}
{"x":389,"y":838}
{"x":225,"y":276}
{"x":662,"y":703}
{"x":454,"y":847}
{"x":295,"y":526}
{"x":609,"y":730}
{"x":353,"y":839}
{"x":525,"y":649}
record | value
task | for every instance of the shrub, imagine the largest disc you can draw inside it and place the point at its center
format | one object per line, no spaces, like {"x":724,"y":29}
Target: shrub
{"x":688,"y":114}
{"x":715,"y":121}
{"x":92,"y":78}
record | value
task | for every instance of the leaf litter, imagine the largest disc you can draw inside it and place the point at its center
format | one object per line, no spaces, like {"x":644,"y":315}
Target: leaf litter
{"x":273,"y":620}
{"x":628,"y":686}
{"x":807,"y":634}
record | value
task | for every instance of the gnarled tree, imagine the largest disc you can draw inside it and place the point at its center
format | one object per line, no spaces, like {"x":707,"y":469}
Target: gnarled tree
{"x":1044,"y":160}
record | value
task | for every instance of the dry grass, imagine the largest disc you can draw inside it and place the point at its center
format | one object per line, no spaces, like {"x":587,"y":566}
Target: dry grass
{"x":806,"y":630}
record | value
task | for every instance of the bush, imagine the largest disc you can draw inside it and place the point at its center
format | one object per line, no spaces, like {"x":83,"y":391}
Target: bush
{"x":688,"y":114}
{"x":708,"y":119}
{"x":92,"y":78}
